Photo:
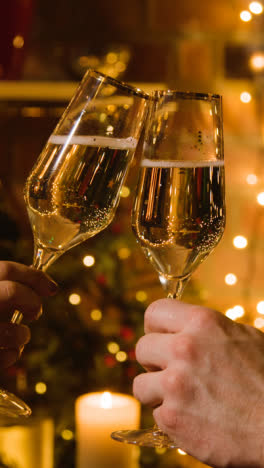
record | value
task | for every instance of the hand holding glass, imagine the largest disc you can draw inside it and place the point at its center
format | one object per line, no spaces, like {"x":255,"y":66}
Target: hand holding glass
{"x":73,"y":190}
{"x":179,"y":211}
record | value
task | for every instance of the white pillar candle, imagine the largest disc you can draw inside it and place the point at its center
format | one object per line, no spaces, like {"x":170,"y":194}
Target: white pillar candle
{"x":29,"y":445}
{"x":97,"y":415}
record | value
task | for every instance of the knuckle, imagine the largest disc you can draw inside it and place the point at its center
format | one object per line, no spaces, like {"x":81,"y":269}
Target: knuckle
{"x":6,"y":270}
{"x":10,"y":291}
{"x":168,"y":419}
{"x":203,"y":318}
{"x":184,"y":347}
{"x":174,"y":382}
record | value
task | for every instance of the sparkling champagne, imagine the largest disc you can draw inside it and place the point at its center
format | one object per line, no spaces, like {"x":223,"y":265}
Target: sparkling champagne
{"x":74,"y":188}
{"x":179,"y":213}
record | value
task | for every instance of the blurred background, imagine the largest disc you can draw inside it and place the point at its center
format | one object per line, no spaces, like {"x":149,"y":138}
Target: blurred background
{"x":85,"y":339}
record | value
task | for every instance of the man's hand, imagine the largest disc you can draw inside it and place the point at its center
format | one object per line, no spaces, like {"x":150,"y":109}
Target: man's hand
{"x":206,"y":381}
{"x":21,"y":288}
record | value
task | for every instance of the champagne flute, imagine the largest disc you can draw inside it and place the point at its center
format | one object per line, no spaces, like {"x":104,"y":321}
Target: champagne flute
{"x":179,"y":211}
{"x":73,"y":190}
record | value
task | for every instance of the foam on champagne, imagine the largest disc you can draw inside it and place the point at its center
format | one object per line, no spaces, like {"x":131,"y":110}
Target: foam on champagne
{"x":178,"y":164}
{"x":101,"y":141}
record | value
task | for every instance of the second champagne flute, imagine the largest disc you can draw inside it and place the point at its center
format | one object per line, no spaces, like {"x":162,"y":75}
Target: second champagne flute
{"x":179,"y":212}
{"x":73,"y":190}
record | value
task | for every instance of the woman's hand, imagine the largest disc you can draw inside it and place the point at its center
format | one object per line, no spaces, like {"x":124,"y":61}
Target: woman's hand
{"x":21,"y":288}
{"x":205,"y":380}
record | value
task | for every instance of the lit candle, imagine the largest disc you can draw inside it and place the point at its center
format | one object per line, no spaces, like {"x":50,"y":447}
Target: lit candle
{"x":29,"y":445}
{"x":97,"y":415}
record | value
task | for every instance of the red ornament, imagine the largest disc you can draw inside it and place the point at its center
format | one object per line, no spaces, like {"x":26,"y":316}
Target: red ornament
{"x":116,"y":228}
{"x":131,"y":372}
{"x":132,"y":354}
{"x":109,"y":360}
{"x":101,"y":279}
{"x":127,"y":333}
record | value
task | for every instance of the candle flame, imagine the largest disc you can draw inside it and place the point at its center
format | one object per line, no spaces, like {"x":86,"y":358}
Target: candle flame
{"x":106,"y":400}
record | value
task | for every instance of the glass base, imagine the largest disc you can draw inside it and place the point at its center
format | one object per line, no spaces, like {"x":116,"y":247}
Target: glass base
{"x":145,"y":438}
{"x":12,"y":407}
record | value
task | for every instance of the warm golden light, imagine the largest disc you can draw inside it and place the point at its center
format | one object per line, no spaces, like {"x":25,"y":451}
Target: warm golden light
{"x":141,"y":296}
{"x":111,"y":58}
{"x":106,"y":400}
{"x":230,"y":279}
{"x":245,"y":97}
{"x":96,"y":315}
{"x":245,"y":16}
{"x":256,"y":8}
{"x":256,"y":61}
{"x":260,"y":307}
{"x":260,"y":198}
{"x":160,"y":450}
{"x":259,"y":322}
{"x":121,"y":356}
{"x":40,"y":388}
{"x":18,"y":42}
{"x":74,"y":299}
{"x":124,"y":253}
{"x":252,"y":179}
{"x":240,"y":242}
{"x":88,"y":260}
{"x":66,"y":434}
{"x":181,"y":452}
{"x":113,"y":347}
{"x":125,"y":192}
{"x":235,"y":312}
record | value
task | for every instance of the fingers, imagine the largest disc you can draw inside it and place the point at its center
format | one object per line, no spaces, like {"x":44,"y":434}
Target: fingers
{"x":29,"y":276}
{"x":13,"y":335}
{"x":14,"y":296}
{"x":172,"y":316}
{"x":13,"y":338}
{"x":155,"y":350}
{"x":147,"y":388}
{"x":8,"y":357}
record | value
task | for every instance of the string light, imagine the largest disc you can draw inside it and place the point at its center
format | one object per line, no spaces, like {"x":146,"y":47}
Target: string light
{"x":74,"y":299}
{"x":66,"y":434}
{"x":88,"y":260}
{"x":141,"y":296}
{"x":260,"y":198}
{"x":240,"y":242}
{"x":259,"y":322}
{"x":245,"y":97}
{"x":252,"y":179}
{"x":96,"y":315}
{"x":235,"y":312}
{"x":121,"y":356}
{"x":230,"y":279}
{"x":256,"y":61}
{"x":260,"y":307}
{"x":18,"y":42}
{"x":256,"y":8}
{"x":124,"y":253}
{"x":245,"y":16}
{"x":113,"y":347}
{"x":40,"y":388}
{"x":125,"y":192}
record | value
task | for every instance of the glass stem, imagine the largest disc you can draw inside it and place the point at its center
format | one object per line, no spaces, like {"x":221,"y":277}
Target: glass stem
{"x":174,"y":287}
{"x":43,"y":258}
